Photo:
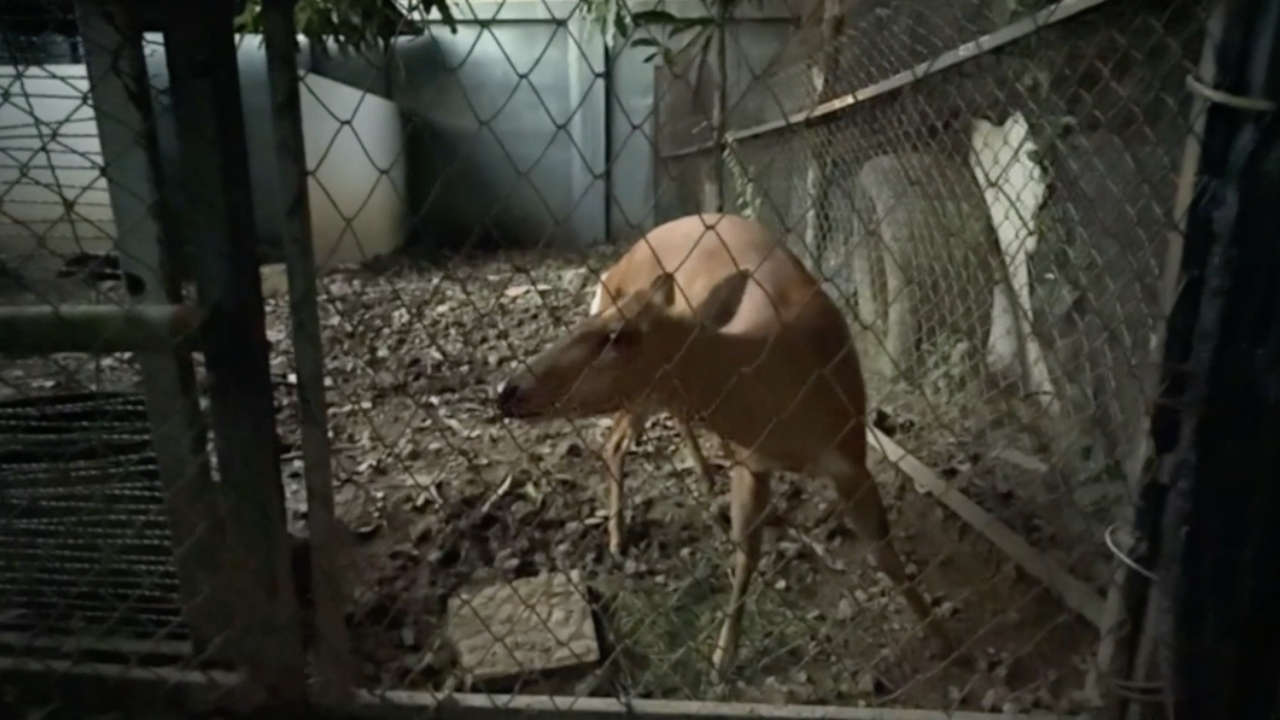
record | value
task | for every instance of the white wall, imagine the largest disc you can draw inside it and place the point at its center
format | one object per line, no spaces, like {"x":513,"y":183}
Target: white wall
{"x":53,"y":198}
{"x":355,"y":154}
{"x":49,"y":150}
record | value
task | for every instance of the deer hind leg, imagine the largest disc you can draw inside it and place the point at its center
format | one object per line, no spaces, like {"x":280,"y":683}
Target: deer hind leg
{"x":866,"y":511}
{"x":749,"y":499}
{"x":627,"y":426}
{"x":695,"y":454}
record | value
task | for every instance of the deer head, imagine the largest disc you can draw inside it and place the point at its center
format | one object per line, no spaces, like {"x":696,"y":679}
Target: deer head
{"x":611,"y":360}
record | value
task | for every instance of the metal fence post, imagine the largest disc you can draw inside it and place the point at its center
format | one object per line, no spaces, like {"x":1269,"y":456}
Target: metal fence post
{"x":333,"y":662}
{"x":713,"y":188}
{"x":1122,"y":629}
{"x":1219,"y":587}
{"x":122,"y":100}
{"x":218,"y":222}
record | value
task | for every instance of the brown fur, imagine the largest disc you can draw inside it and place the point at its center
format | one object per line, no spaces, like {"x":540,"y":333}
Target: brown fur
{"x":666,"y":247}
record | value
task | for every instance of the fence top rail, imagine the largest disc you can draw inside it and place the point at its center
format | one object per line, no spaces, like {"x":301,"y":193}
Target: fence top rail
{"x":975,"y":48}
{"x":477,"y":706}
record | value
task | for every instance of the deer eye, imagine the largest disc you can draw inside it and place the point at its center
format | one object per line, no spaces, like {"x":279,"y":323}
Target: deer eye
{"x":621,"y":338}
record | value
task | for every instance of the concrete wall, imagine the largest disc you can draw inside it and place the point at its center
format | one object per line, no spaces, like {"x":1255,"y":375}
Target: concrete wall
{"x":518,"y":130}
{"x":505,"y":122}
{"x":523,"y":130}
{"x":54,"y":200}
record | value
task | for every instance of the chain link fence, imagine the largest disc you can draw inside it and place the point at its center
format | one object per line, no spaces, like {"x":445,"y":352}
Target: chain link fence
{"x":991,"y":193}
{"x":987,"y":193}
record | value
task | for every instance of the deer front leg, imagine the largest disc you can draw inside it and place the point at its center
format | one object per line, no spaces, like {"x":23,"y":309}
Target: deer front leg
{"x":627,"y":426}
{"x":695,"y":454}
{"x":749,"y":499}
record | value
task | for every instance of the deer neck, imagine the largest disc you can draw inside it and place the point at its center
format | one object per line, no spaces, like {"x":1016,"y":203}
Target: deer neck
{"x":703,"y":367}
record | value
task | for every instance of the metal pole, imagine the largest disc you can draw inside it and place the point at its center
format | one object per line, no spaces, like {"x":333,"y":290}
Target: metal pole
{"x":218,"y":222}
{"x":333,"y":664}
{"x":1123,"y":635}
{"x":1216,"y":604}
{"x":713,"y":182}
{"x":121,"y":96}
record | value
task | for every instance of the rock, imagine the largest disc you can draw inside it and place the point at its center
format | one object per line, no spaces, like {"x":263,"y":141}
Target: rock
{"x":844,"y":611}
{"x":866,"y":683}
{"x":528,"y":626}
{"x":275,"y":280}
{"x":993,"y":698}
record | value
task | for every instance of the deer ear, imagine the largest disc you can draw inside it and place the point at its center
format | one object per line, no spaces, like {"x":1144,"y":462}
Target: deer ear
{"x":662,"y":291}
{"x":658,"y":299}
{"x":723,"y":301}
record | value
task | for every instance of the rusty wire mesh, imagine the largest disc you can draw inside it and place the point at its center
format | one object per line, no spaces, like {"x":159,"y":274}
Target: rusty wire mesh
{"x":1027,"y":390}
{"x":476,"y":552}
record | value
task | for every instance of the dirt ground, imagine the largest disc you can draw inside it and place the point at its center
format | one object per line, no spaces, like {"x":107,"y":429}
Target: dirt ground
{"x":440,"y":496}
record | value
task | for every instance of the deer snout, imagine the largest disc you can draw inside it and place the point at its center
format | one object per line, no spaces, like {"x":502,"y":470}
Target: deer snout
{"x":518,"y":397}
{"x":508,"y":398}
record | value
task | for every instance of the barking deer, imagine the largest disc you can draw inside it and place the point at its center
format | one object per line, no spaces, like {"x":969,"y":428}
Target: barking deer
{"x":723,"y":326}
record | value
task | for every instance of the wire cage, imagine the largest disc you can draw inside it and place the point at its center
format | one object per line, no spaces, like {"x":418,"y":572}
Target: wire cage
{"x":84,"y":544}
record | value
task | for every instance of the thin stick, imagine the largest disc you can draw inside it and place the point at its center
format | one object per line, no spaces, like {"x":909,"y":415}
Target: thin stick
{"x":1074,"y":593}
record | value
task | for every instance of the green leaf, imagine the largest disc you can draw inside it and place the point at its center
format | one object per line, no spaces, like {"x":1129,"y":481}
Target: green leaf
{"x":684,"y":28}
{"x":446,"y":15}
{"x":653,"y":17}
{"x":646,"y":42}
{"x":351,"y":24}
{"x":621,"y":25}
